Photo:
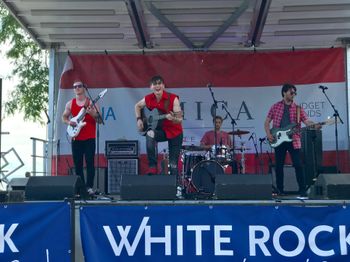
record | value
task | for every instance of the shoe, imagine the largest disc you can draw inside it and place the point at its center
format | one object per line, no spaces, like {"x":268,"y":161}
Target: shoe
{"x":152,"y":171}
{"x":303,"y":196}
{"x":90,"y":191}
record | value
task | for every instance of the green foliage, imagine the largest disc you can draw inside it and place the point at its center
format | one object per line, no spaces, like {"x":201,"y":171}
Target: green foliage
{"x":30,"y":96}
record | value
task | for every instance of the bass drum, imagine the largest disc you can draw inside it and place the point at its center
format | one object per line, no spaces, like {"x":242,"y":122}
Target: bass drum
{"x":203,"y":176}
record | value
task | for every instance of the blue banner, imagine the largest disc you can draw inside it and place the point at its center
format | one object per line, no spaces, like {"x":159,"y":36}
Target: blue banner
{"x":215,"y":233}
{"x":35,"y":232}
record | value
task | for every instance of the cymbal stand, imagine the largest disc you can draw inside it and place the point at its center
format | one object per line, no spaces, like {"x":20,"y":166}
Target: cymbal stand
{"x":215,"y":131}
{"x":233,"y":123}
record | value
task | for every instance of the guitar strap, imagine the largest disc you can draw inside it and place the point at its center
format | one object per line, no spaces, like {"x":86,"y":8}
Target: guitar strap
{"x":166,"y":103}
{"x":298,"y":114}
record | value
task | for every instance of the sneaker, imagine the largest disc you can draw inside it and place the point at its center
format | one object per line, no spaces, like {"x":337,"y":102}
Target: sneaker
{"x":90,"y":191}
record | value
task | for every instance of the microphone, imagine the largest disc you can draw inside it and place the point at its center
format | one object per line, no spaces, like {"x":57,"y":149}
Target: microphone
{"x":323,"y":88}
{"x":251,"y":136}
{"x":209,"y":85}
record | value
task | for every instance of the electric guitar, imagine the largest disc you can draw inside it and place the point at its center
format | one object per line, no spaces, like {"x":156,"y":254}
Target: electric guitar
{"x":151,"y":119}
{"x":285,"y":134}
{"x":73,"y":131}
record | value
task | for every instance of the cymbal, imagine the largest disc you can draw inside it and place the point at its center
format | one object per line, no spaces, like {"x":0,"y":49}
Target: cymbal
{"x":193,"y":148}
{"x":238,"y":132}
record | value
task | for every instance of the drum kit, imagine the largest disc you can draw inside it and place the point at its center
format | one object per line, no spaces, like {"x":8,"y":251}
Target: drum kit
{"x":200,"y":166}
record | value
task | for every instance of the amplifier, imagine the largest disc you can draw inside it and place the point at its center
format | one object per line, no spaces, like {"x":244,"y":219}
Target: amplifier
{"x":118,"y":168}
{"x":122,"y":149}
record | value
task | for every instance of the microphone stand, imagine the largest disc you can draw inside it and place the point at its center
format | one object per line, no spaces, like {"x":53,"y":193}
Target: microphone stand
{"x":98,"y":121}
{"x":257,"y":157}
{"x":233,"y":123}
{"x":336,"y":115}
{"x":261,"y":162}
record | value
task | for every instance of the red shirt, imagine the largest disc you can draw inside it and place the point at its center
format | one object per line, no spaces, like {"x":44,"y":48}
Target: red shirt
{"x":276,"y":113}
{"x":89,"y":130}
{"x":170,"y":128}
{"x":221,"y":136}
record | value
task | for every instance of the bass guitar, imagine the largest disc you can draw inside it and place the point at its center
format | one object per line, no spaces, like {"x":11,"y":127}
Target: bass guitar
{"x":73,"y":131}
{"x":285,"y":134}
{"x":151,"y":119}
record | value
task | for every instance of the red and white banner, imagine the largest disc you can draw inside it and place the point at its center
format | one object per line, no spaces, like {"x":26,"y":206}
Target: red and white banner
{"x":248,"y":82}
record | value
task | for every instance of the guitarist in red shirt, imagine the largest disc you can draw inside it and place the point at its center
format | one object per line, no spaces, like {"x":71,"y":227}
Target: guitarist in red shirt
{"x":169,"y":129}
{"x":284,"y":114}
{"x":83,"y":145}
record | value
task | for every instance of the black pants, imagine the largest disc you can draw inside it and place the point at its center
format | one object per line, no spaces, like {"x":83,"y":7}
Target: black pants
{"x":81,"y":149}
{"x":280,"y":156}
{"x":174,"y":145}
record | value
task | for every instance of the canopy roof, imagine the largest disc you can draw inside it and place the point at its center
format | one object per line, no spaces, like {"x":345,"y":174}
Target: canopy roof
{"x":163,"y":25}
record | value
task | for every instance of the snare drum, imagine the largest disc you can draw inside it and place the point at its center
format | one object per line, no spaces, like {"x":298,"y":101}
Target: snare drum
{"x":203,"y":175}
{"x":222,"y":154}
{"x":191,"y":159}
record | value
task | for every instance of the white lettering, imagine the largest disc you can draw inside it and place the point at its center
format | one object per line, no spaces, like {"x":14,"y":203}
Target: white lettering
{"x":253,"y":240}
{"x":6,"y":238}
{"x":312,"y":241}
{"x":218,"y":240}
{"x":277,"y":244}
{"x":198,"y":234}
{"x":180,"y":241}
{"x":117,"y":249}
{"x":344,"y":240}
{"x":166,"y":240}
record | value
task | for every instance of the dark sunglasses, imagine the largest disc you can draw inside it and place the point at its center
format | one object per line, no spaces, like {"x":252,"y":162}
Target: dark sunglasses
{"x":78,"y":86}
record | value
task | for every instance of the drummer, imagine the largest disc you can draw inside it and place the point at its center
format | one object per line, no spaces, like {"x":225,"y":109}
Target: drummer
{"x":223,"y":139}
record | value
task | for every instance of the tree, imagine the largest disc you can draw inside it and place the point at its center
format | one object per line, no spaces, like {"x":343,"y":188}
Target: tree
{"x":30,"y":96}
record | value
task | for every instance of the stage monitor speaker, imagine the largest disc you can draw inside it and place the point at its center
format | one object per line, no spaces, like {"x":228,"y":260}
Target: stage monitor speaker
{"x":243,"y":187}
{"x":311,"y":150}
{"x":331,"y":186}
{"x":100,"y":179}
{"x":156,"y":187}
{"x":118,"y":168}
{"x":17,"y":183}
{"x":290,"y":180}
{"x":54,"y":188}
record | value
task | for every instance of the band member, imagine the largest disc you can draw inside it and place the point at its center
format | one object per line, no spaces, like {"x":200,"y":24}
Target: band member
{"x":222,"y":137}
{"x":83,"y":145}
{"x":170,"y":129}
{"x":282,"y":114}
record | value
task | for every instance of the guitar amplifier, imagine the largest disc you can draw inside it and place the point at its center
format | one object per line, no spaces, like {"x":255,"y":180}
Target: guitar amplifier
{"x":118,"y":168}
{"x":122,"y":149}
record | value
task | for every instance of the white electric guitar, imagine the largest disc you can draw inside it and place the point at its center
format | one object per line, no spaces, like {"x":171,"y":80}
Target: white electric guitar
{"x":73,"y":131}
{"x":286,"y":134}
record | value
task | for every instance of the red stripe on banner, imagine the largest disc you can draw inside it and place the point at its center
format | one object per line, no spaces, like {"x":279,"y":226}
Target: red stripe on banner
{"x":197,"y":69}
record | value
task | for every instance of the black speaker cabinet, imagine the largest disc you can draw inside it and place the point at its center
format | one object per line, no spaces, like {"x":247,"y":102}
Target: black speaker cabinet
{"x":157,"y":187}
{"x":311,"y":150}
{"x":54,"y":188}
{"x":243,"y":187}
{"x":331,"y":186}
{"x":290,"y":184}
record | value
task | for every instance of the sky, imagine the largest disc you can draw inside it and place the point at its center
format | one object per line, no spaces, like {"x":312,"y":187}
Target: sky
{"x":20,"y":131}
